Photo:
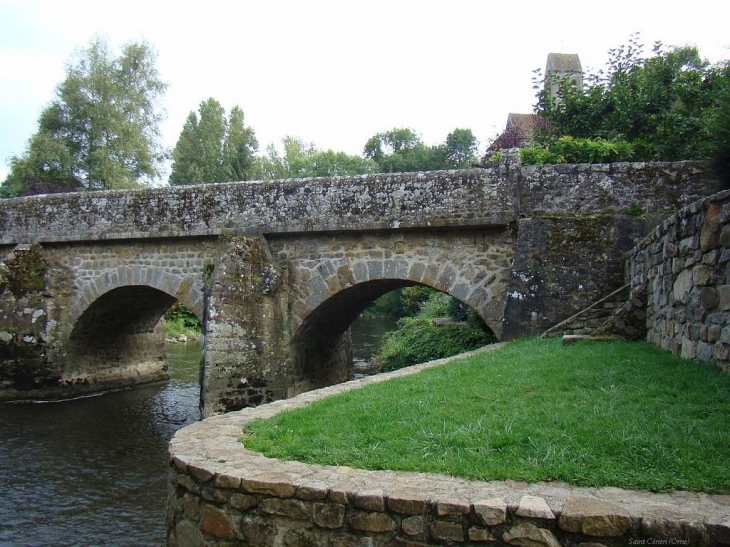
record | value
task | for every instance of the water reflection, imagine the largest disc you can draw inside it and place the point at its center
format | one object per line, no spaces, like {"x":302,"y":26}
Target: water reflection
{"x":367,"y":333}
{"x":93,"y":471}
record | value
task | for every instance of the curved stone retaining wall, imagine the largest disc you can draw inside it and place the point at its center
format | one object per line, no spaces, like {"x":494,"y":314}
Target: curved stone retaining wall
{"x":222,"y":494}
{"x":683,"y":268}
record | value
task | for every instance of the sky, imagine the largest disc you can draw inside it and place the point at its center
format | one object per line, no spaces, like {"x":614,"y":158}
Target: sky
{"x":336,"y":72}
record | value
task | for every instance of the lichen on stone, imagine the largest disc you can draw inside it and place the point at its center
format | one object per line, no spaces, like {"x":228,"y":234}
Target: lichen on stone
{"x":23,"y":271}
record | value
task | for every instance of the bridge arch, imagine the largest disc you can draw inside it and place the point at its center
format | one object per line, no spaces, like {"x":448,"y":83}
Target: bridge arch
{"x":482,"y":287}
{"x":334,"y":291}
{"x":116,"y":335}
{"x":178,"y":287}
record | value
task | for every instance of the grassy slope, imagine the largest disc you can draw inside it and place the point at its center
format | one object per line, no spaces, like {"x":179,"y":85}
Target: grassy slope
{"x":594,"y":414}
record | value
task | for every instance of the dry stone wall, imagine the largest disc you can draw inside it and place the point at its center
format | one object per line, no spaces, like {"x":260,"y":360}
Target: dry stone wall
{"x":683,"y":269}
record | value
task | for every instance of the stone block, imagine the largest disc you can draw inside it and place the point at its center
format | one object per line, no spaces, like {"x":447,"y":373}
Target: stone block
{"x":710,"y":231}
{"x":447,"y":531}
{"x":187,"y":535}
{"x":243,"y":502}
{"x":216,"y":495}
{"x":370,"y":500}
{"x":682,"y":287}
{"x":291,"y":508}
{"x":372,"y":522}
{"x":328,"y":515}
{"x":311,"y":493}
{"x":191,"y":506}
{"x":408,"y":501}
{"x":480,"y":535}
{"x":526,"y":534}
{"x":704,"y":351}
{"x":720,"y":351}
{"x":455,"y":507}
{"x":709,"y":298}
{"x":217,"y":523}
{"x":703,"y":275}
{"x":271,"y":484}
{"x":227,"y":481}
{"x":414,"y":526}
{"x":594,"y":518}
{"x":534,"y":507}
{"x":491,"y":511}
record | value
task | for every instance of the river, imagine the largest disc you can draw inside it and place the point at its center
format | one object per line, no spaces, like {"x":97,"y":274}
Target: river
{"x":93,"y":471}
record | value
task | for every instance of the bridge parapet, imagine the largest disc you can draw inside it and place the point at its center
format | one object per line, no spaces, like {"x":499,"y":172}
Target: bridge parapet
{"x":383,"y":201}
{"x":490,"y":196}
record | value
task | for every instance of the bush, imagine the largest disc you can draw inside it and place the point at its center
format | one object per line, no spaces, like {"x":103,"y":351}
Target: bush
{"x":418,"y":339}
{"x":180,"y":321}
{"x":568,"y":149}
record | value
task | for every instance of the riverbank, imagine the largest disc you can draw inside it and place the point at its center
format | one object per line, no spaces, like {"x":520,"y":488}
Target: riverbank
{"x":223,"y":492}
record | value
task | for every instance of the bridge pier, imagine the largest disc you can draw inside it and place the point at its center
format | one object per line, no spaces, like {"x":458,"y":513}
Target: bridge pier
{"x":247,"y":358}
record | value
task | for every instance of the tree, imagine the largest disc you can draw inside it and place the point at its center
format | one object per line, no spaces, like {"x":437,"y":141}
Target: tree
{"x":101,"y":131}
{"x":213,"y":148}
{"x":661,"y":105}
{"x":301,"y":159}
{"x":719,"y":155}
{"x":460,"y":149}
{"x":401,"y":150}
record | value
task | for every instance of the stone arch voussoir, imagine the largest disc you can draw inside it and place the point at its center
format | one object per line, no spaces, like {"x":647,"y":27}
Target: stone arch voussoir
{"x":182,"y":288}
{"x":482,"y":289}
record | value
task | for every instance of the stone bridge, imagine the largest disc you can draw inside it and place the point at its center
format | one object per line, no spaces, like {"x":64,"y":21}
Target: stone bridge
{"x":278,"y":270}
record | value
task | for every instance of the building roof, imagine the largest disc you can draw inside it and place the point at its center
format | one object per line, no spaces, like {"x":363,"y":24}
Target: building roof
{"x":524,"y":123}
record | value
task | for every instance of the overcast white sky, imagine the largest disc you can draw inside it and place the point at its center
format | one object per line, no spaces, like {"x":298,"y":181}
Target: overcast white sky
{"x":336,"y":72}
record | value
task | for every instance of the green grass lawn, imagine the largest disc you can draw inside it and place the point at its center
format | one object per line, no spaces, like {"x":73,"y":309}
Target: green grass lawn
{"x":622,"y":414}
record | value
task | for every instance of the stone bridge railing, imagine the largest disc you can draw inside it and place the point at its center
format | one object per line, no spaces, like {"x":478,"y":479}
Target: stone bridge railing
{"x":474,"y":197}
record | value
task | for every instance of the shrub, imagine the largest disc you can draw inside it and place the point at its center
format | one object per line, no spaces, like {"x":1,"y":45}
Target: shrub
{"x":568,"y":149}
{"x":418,"y":339}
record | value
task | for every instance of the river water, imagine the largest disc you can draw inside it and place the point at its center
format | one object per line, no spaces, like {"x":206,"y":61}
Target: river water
{"x":93,"y":471}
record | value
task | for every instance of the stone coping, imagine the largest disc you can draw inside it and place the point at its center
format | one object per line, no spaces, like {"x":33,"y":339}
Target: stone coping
{"x":211,"y":453}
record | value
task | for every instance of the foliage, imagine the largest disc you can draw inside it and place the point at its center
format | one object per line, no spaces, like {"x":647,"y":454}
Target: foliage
{"x":101,"y":131}
{"x":213,"y":147}
{"x":568,"y":149}
{"x":719,"y":154}
{"x":179,"y":320}
{"x":302,"y":160}
{"x":401,"y":150}
{"x":418,"y":339}
{"x":591,"y":414}
{"x":513,"y":136}
{"x":404,"y":302}
{"x":661,"y":105}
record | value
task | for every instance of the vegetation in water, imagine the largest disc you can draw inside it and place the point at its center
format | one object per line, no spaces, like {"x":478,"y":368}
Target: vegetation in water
{"x":623,"y":414}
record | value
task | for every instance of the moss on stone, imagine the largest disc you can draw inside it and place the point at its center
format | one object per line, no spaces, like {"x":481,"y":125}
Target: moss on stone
{"x":23,"y":271}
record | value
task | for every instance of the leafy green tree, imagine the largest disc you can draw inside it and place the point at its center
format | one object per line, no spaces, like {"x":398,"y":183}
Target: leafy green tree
{"x":213,"y":148}
{"x":239,"y":147}
{"x":101,"y":131}
{"x":401,"y":150}
{"x":301,"y":159}
{"x":460,"y":149}
{"x":719,"y":155}
{"x":661,"y":105}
